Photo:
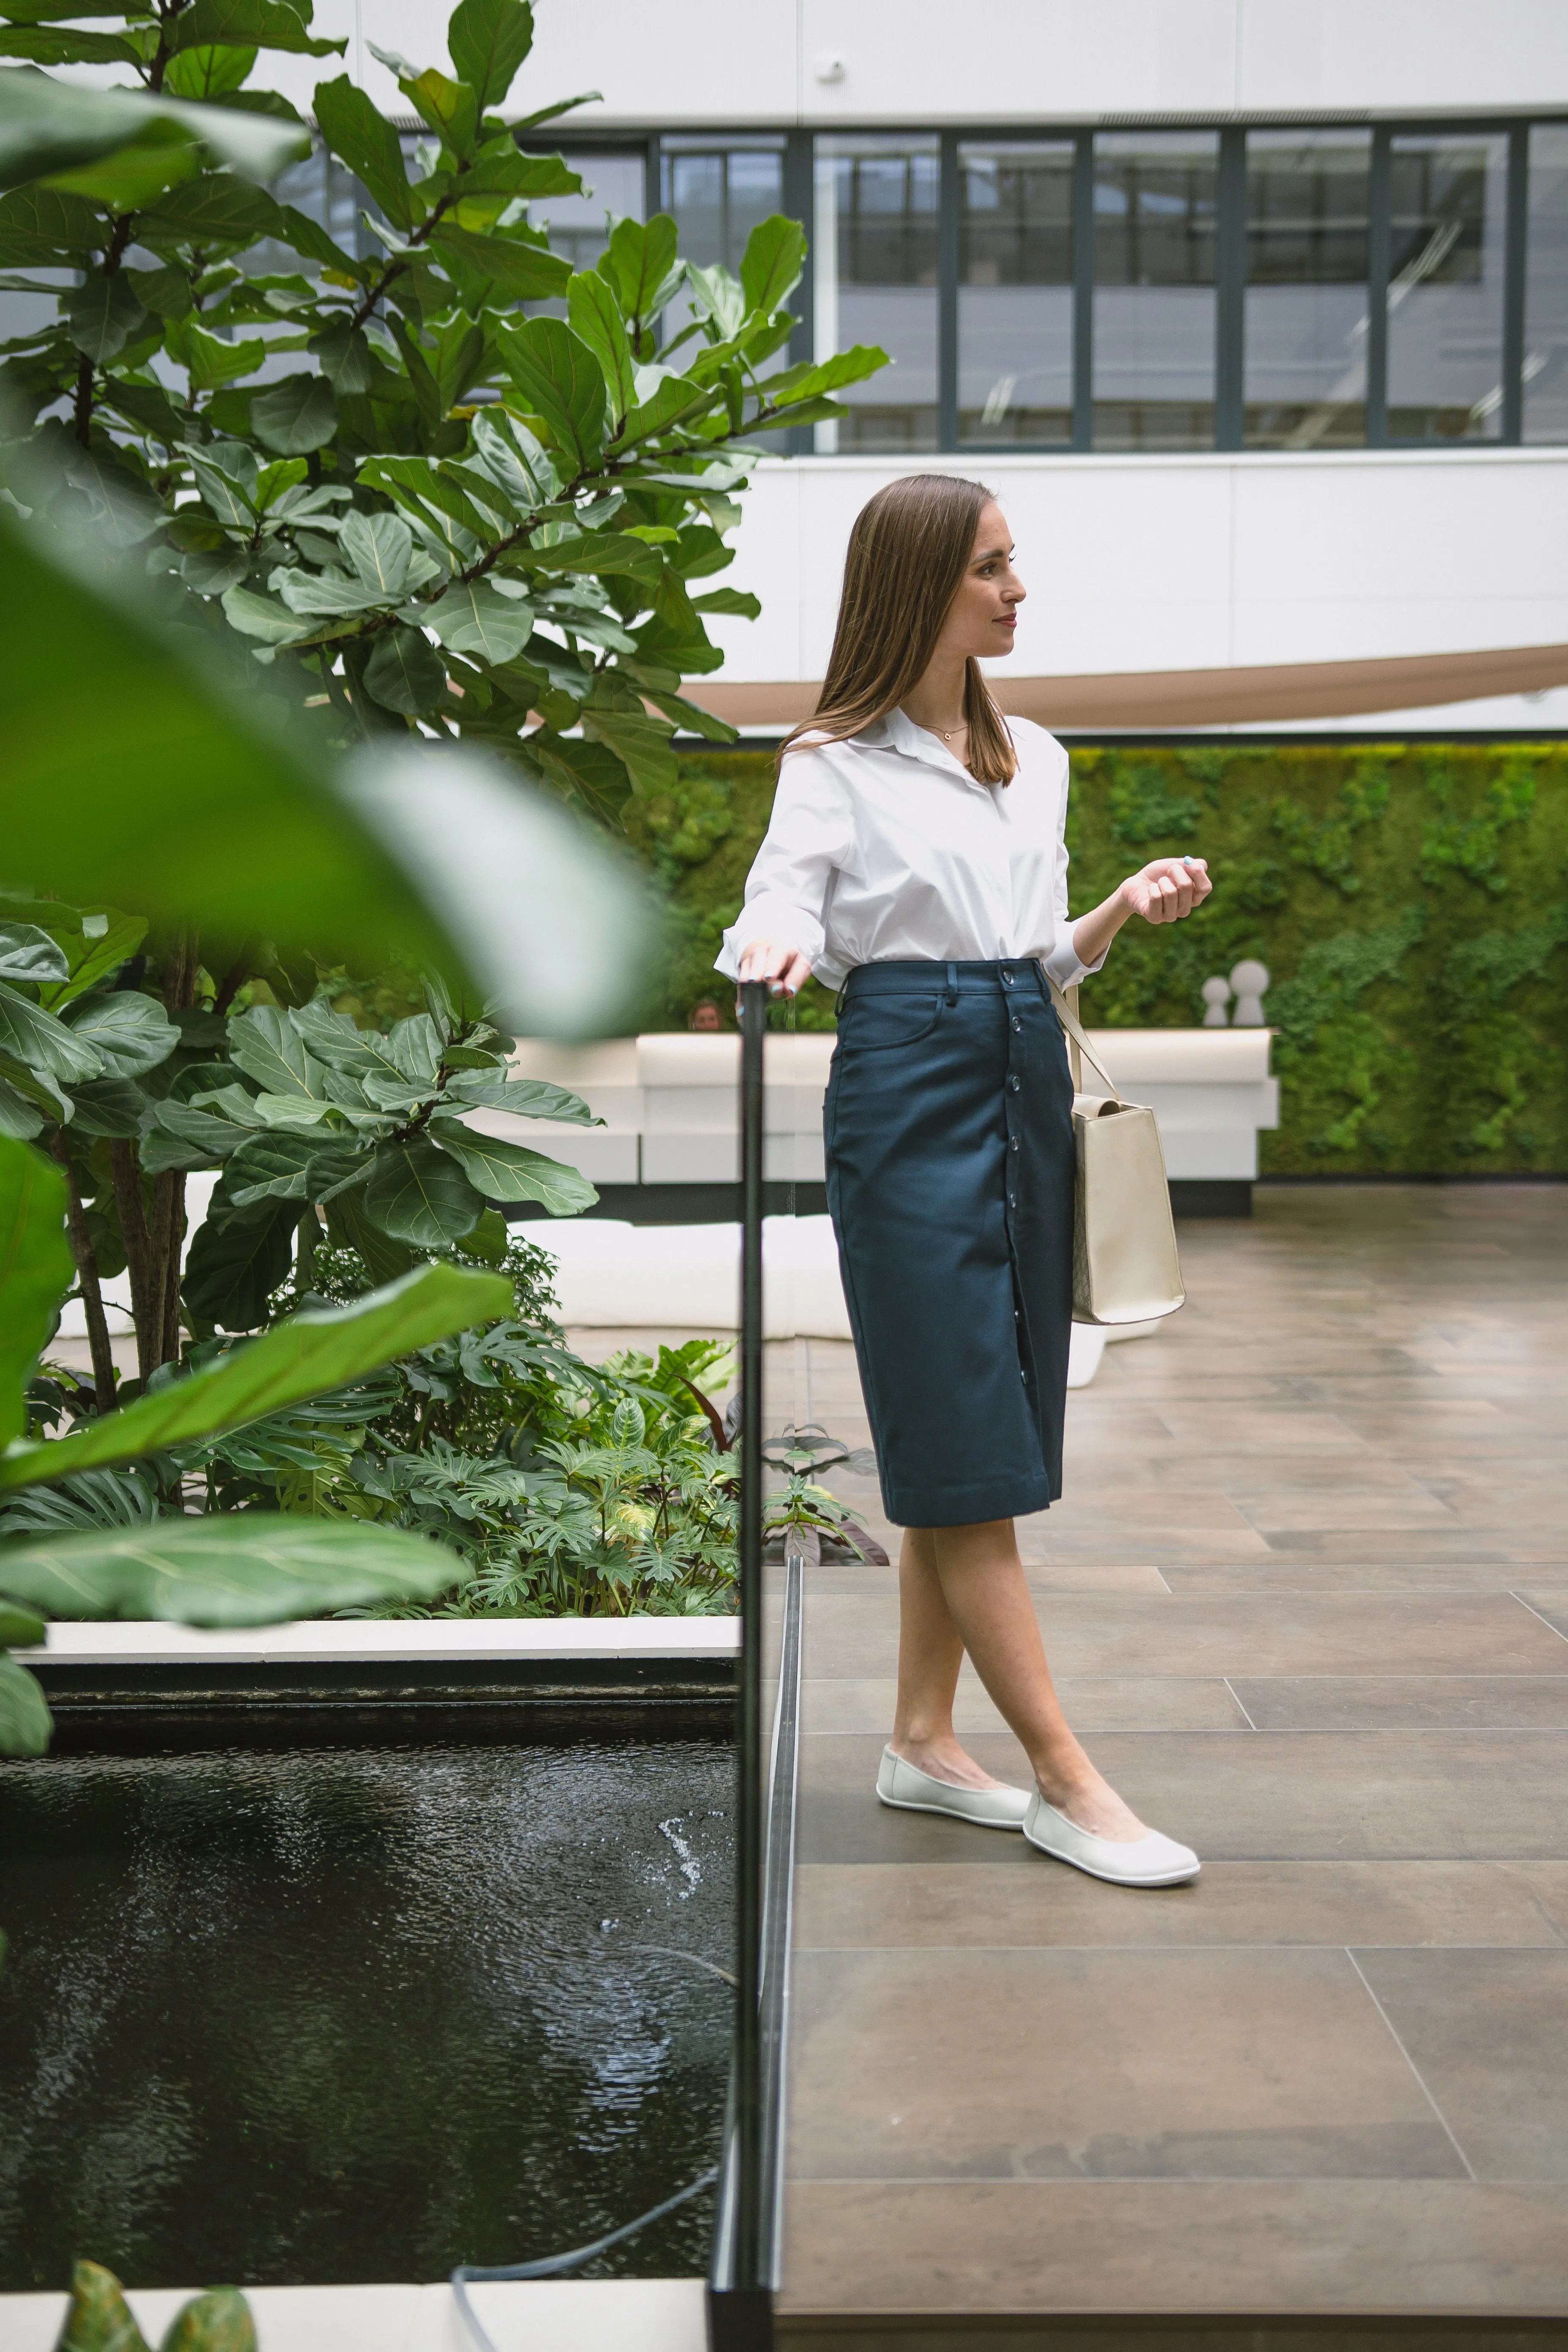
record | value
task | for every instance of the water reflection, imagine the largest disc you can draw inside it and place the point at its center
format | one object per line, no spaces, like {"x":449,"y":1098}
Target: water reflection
{"x":326,"y":2015}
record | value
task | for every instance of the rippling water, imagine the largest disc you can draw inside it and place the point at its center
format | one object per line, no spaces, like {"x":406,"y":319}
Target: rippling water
{"x":327,"y":2014}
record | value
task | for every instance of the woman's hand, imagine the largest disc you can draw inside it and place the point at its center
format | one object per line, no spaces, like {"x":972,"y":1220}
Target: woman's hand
{"x":1161,"y":892}
{"x":785,"y":969}
{"x":1165,"y":890}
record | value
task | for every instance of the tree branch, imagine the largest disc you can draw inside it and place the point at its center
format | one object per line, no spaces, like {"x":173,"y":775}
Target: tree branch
{"x":87,"y":1280}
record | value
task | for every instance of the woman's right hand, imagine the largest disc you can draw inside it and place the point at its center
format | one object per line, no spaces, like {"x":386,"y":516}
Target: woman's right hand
{"x":785,"y":969}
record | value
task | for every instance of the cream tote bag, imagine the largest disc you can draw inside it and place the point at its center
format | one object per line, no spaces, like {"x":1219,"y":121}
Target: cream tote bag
{"x":1124,"y":1264}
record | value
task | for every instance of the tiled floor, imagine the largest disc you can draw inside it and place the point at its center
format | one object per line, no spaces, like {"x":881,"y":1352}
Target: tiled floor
{"x":1307,"y":1596}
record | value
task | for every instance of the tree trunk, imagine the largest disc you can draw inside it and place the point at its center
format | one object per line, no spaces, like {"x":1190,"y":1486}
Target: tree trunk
{"x":146,"y":1295}
{"x":88,"y":1282}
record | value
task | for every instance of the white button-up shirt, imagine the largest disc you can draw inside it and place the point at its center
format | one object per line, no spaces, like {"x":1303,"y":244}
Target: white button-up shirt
{"x":885,"y":846}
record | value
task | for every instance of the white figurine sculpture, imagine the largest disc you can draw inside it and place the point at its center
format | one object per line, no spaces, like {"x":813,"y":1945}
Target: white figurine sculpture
{"x":1249,"y":979}
{"x":1216,"y":996}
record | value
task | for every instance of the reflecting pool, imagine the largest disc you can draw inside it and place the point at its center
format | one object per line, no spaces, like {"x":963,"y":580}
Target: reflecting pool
{"x":308,"y":2014}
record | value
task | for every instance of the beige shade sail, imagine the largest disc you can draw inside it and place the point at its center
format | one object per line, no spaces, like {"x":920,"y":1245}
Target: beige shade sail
{"x":1270,"y":695}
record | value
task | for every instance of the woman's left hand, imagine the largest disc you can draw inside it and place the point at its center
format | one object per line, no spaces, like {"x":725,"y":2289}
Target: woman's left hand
{"x":1166,"y":889}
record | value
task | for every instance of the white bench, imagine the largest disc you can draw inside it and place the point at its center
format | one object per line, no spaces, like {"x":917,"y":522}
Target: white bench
{"x":668,"y":1103}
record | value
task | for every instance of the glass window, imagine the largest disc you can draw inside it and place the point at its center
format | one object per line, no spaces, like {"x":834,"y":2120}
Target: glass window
{"x":579,"y":226}
{"x":1154,"y":312}
{"x":1447,"y":220}
{"x":1546,"y":287}
{"x":876,"y":283}
{"x":1014,"y":292}
{"x":1306,"y":323}
{"x":717,"y":189}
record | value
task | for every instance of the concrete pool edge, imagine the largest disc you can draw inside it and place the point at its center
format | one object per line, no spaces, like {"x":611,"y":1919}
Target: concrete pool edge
{"x":101,"y":1668}
{"x":534,"y":2316}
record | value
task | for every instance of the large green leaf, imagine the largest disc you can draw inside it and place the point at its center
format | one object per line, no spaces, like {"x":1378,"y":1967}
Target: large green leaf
{"x":103,"y":313}
{"x":265,"y":1043}
{"x":421,"y":1196}
{"x":562,"y":381}
{"x":95,"y":940}
{"x":773,"y":259}
{"x":237,"y":1261}
{"x":28,"y":953}
{"x":488,"y":41}
{"x":227,"y":1570}
{"x":295,"y":416}
{"x":301,"y":1358}
{"x":526,"y":273}
{"x":640,"y":263}
{"x":109,"y":1107}
{"x":523,"y":1097}
{"x":362,"y":137}
{"x":183,"y":1136}
{"x":43,"y":1039}
{"x":62,"y":45}
{"x":477,"y":620}
{"x":111,"y":745}
{"x":256,"y":24}
{"x":641,"y":742}
{"x":404,"y":673}
{"x":216,"y":209}
{"x":348,"y":1227}
{"x":510,"y":1171}
{"x":26,"y":1723}
{"x":595,"y":315}
{"x":281,"y":1165}
{"x":36,"y":1269}
{"x":131,"y":1033}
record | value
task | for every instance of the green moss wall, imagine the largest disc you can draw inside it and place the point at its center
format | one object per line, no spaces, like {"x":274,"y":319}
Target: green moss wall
{"x":1411,"y":903}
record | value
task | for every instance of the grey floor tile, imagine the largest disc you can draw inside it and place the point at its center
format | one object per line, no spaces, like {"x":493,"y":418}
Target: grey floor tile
{"x":851,"y":1906}
{"x":1488,"y":2032}
{"x":1396,"y":1701}
{"x":1247,"y":1796}
{"x":1062,"y":2064}
{"x":1175,"y":2246}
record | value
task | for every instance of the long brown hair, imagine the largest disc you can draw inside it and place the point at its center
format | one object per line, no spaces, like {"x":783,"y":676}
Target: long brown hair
{"x":908,"y":554}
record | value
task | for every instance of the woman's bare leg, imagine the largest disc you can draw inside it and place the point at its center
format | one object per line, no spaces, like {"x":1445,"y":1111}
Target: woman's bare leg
{"x":963,"y":1589}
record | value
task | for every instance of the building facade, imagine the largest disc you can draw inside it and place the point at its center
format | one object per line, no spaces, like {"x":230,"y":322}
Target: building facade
{"x":1254,"y":313}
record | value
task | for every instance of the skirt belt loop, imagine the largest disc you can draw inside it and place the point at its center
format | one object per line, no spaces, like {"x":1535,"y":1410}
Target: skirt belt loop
{"x":952,"y":984}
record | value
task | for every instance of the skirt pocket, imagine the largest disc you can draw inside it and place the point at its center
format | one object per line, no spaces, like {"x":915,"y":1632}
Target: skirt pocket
{"x":875,"y":1024}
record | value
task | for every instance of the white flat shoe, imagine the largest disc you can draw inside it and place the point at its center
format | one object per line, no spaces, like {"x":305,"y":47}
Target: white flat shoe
{"x":911,"y":1790}
{"x":1152,"y":1861}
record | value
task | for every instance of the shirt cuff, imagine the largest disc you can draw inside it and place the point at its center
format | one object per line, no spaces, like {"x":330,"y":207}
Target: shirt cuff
{"x":1063,"y":966}
{"x":770,"y":919}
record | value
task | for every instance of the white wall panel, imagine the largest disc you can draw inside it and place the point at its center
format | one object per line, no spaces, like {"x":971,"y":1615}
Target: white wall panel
{"x":927,"y":60}
{"x":1406,"y":57}
{"x":697,"y":61}
{"x":1195,"y":563}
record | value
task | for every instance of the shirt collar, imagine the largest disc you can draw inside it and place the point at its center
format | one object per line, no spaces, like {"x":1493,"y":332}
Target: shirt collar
{"x":901,"y":734}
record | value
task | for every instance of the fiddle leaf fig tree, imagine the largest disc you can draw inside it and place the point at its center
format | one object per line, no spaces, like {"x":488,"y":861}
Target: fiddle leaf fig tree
{"x":430,"y":482}
{"x":405,"y":494}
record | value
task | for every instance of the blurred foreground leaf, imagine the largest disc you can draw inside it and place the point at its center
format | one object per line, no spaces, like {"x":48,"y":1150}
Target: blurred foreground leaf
{"x":132,"y":777}
{"x":304,"y":1357}
{"x":228,"y":1570}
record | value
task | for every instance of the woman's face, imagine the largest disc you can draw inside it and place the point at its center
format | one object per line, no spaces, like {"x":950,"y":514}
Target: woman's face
{"x":985,"y":612}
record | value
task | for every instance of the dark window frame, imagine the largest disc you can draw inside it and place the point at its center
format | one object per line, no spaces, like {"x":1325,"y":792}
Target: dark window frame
{"x":1230,"y":257}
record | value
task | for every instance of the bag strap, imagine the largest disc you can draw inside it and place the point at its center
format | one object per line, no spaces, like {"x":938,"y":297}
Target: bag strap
{"x":1075,"y":1030}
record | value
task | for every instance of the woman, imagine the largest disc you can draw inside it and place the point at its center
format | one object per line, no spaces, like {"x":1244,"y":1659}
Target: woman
{"x":916,"y":861}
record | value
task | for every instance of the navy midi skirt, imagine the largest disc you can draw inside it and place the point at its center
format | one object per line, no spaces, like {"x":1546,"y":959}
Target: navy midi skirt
{"x":948,"y":1124}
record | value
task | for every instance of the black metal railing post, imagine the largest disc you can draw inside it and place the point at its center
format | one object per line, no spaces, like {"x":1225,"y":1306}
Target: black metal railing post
{"x":739,"y":2302}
